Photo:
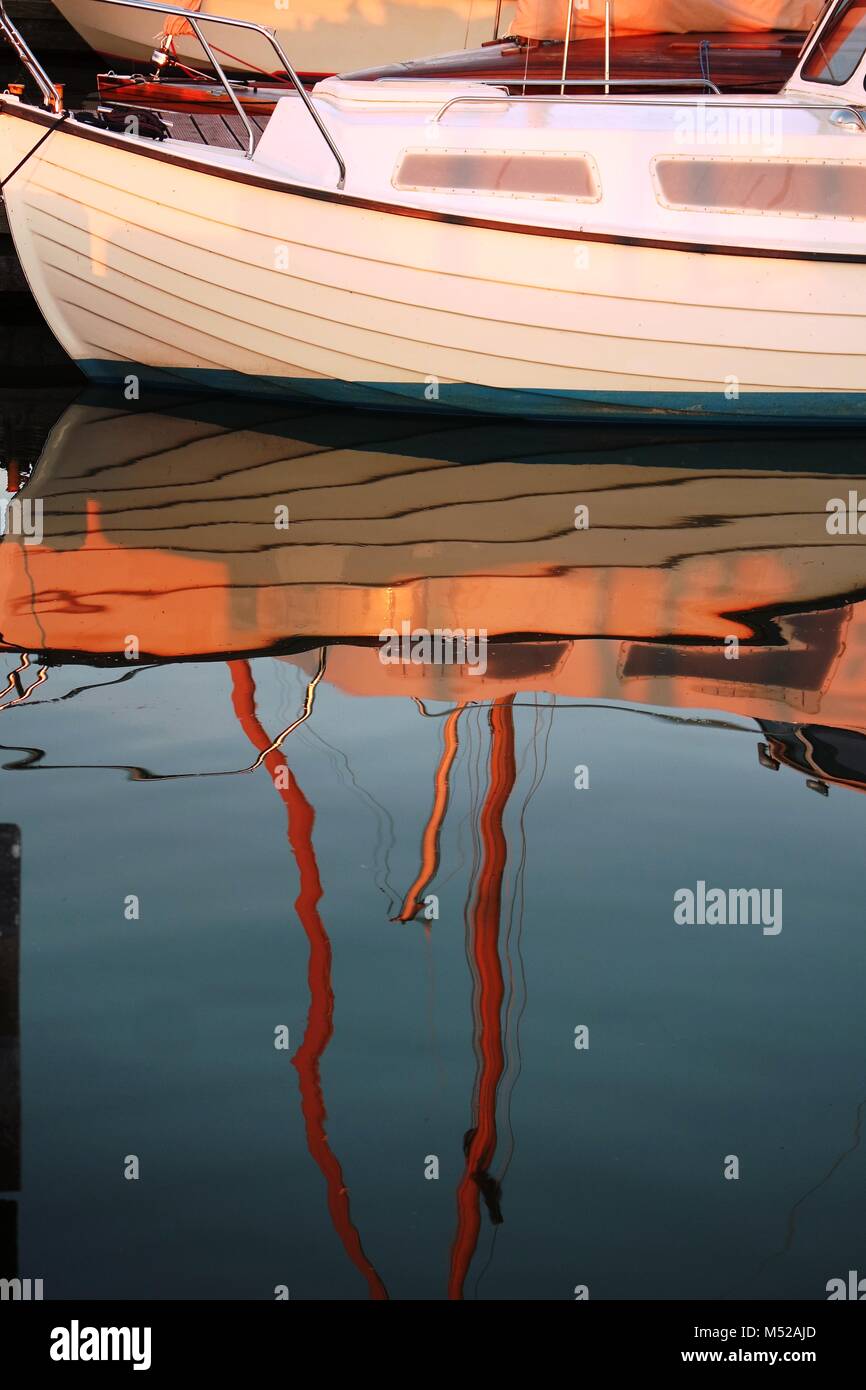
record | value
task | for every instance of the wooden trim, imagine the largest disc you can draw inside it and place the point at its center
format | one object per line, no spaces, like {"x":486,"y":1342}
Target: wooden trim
{"x":155,"y":151}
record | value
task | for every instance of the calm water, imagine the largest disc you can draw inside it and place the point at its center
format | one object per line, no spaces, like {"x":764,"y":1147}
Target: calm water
{"x":197,"y":728}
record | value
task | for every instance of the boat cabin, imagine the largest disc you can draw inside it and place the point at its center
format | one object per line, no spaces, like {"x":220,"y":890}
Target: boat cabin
{"x":832,"y":66}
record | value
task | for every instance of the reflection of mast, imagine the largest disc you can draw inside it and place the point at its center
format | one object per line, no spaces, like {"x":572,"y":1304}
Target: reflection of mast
{"x":430,"y":843}
{"x":488,"y":993}
{"x":320,"y":1021}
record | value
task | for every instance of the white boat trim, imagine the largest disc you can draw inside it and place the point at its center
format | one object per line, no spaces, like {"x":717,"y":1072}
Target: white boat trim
{"x":224,"y":164}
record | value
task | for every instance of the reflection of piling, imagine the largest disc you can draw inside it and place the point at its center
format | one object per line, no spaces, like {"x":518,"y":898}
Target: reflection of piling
{"x":10,"y":1044}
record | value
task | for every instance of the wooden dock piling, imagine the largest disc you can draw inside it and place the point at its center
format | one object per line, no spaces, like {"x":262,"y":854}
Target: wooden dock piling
{"x":10,"y":1046}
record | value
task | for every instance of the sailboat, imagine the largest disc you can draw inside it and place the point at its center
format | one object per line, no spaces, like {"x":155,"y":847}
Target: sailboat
{"x":324,"y":36}
{"x":548,"y":44}
{"x":750,"y":48}
{"x":454,"y":247}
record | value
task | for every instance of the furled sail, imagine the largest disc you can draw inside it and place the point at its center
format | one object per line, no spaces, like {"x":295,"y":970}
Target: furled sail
{"x":174,"y":25}
{"x":546,"y":19}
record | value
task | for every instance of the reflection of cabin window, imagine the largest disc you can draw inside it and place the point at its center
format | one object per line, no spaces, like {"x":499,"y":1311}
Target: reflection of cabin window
{"x":811,"y":643}
{"x":837,"y":53}
{"x":526,"y":174}
{"x":815,"y":188}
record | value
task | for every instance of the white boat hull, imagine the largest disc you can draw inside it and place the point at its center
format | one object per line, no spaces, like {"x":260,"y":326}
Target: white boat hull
{"x":145,"y":269}
{"x":319,"y":36}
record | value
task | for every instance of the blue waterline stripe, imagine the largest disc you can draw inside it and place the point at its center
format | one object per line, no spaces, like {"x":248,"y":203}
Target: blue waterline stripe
{"x":623,"y":406}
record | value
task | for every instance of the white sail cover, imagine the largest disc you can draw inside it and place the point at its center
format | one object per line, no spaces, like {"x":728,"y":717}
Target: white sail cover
{"x":546,"y":19}
{"x":173,"y":25}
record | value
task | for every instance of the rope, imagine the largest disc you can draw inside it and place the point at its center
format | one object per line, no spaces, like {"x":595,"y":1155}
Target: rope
{"x":193,"y":72}
{"x":252,"y":67}
{"x":31,"y":153}
{"x":704,"y":55}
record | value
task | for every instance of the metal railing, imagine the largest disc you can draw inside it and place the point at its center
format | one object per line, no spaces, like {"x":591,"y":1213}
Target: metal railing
{"x":849,"y":118}
{"x":606,"y":81}
{"x":569,"y":21}
{"x":497,"y":94}
{"x":194,"y":20}
{"x":665,"y":82}
{"x":50,"y":93}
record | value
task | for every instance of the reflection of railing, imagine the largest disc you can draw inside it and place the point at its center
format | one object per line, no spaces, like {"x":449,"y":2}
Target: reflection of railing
{"x":195,"y":21}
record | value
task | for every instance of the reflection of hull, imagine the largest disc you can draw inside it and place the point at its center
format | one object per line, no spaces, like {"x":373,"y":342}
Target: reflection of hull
{"x":826,"y":756}
{"x":592,"y":669}
{"x":166,"y":530}
{"x":320,"y":36}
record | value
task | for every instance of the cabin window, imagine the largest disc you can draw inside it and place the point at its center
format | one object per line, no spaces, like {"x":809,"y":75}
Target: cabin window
{"x":521,"y":173}
{"x":836,"y":55}
{"x":810,"y":188}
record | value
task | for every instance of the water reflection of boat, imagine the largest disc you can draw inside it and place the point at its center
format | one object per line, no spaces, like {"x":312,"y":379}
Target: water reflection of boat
{"x":167,"y":530}
{"x":161,"y":524}
{"x":825,"y":756}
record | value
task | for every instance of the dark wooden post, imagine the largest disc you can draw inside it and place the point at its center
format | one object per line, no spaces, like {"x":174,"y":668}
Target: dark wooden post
{"x":10,"y":1046}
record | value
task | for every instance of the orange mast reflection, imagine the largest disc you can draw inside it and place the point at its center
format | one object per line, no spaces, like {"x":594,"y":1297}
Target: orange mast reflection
{"x":320,"y":1020}
{"x":432,"y":831}
{"x":489,"y":991}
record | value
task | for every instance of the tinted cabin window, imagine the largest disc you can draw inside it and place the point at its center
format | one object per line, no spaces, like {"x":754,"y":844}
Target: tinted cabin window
{"x":837,"y":54}
{"x":822,"y":188}
{"x":482,"y":171}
